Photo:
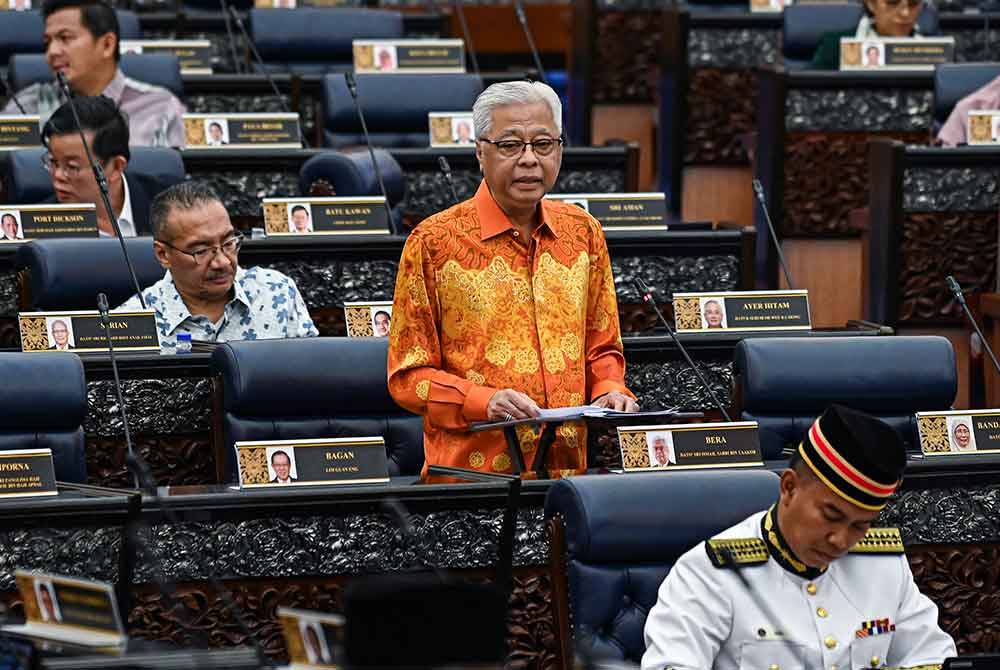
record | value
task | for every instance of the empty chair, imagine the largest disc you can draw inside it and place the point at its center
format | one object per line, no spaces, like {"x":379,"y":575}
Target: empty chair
{"x":351,"y":174}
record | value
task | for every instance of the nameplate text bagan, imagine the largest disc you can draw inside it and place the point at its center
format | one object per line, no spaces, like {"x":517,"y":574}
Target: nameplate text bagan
{"x":319,"y":462}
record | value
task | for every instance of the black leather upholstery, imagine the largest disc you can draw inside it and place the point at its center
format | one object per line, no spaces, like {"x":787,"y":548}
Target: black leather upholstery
{"x":314,"y":387}
{"x":625,"y":532}
{"x":785,"y":383}
{"x":45,"y":408}
{"x":954,"y":81}
{"x":162,"y":70}
{"x":21,"y":32}
{"x":395,"y":106}
{"x":351,"y":174}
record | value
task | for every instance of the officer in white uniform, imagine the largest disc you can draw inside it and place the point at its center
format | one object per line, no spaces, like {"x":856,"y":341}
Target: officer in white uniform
{"x":807,"y":584}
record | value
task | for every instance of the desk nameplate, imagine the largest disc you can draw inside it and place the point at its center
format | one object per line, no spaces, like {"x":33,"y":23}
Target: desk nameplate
{"x":984,"y":126}
{"x":318,"y":462}
{"x":82,"y":331}
{"x":242,"y":131}
{"x":368,"y":319}
{"x":741,"y":310}
{"x":305,"y":217}
{"x":621,"y":211}
{"x":451,"y":129}
{"x":415,"y":56}
{"x":22,"y":223}
{"x":688,"y":446}
{"x":195,"y":56}
{"x":27,"y":473}
{"x":966,"y":432}
{"x":314,"y":639}
{"x":902,"y":53}
{"x":19,"y":131}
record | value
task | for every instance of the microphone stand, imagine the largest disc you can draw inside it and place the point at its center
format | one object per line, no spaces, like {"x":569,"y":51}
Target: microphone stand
{"x":229,"y":35}
{"x":11,"y":94}
{"x":647,"y":296}
{"x":446,"y":170}
{"x":102,"y":185}
{"x":460,"y":13}
{"x":759,"y":191}
{"x":352,"y":86}
{"x":956,"y":290}
{"x":519,"y":10}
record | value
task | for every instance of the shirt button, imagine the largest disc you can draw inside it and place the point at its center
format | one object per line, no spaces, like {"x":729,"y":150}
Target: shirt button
{"x":517,"y":234}
{"x":830,"y":643}
{"x":875,"y":661}
{"x":821,"y":612}
{"x":811,"y":589}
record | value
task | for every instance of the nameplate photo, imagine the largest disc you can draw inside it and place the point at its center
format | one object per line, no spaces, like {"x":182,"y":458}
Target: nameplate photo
{"x":368,"y":319}
{"x":77,"y":611}
{"x":451,"y":129}
{"x":319,"y":462}
{"x":360,"y":215}
{"x":27,"y":473}
{"x":82,"y":331}
{"x":23,"y":223}
{"x":984,"y":126}
{"x":692,"y":445}
{"x":313,"y":639}
{"x":292,"y":4}
{"x":621,"y":211}
{"x":741,"y":310}
{"x":767,"y":6}
{"x":902,"y":53}
{"x":967,"y":431}
{"x":19,"y":131}
{"x":242,"y":131}
{"x":16,"y":5}
{"x":415,"y":56}
{"x":195,"y":56}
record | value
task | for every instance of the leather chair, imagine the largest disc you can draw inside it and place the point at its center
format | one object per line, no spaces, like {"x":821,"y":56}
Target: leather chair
{"x":311,"y":388}
{"x":351,"y":174}
{"x":785,"y":383}
{"x":45,"y":409}
{"x":162,"y":70}
{"x":68,"y":274}
{"x":954,"y":81}
{"x":317,"y":41}
{"x":395,"y":107}
{"x":21,"y":32}
{"x":615,"y":538}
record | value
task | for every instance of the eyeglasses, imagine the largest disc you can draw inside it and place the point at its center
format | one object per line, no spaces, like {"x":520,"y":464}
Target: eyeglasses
{"x":204,"y":256}
{"x":71,"y":170}
{"x":514,"y":148}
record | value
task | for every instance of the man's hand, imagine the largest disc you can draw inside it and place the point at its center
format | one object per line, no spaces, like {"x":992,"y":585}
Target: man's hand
{"x":617,"y":401}
{"x":508,"y":404}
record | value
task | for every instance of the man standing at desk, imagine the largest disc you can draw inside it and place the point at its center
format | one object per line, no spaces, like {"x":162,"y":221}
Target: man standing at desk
{"x":505,"y":303}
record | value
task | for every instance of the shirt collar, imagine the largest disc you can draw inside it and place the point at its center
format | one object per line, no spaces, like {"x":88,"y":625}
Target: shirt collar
{"x":178,"y":313}
{"x":778,"y":547}
{"x":116,"y":87}
{"x":493,"y":220}
{"x":125,"y":219}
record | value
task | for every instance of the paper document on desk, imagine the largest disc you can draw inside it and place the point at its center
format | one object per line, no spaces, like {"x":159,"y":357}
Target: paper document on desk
{"x":590,"y":411}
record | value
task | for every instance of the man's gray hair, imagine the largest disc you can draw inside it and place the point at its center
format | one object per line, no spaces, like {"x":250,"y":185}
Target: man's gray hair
{"x":513,"y":93}
{"x":185,"y":195}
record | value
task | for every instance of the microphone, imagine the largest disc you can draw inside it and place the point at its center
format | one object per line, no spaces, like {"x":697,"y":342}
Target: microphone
{"x":956,"y":291}
{"x":446,"y":171}
{"x":759,"y":191}
{"x":466,"y":34}
{"x":102,"y":185}
{"x":647,"y":296}
{"x":519,"y":10}
{"x":260,"y":62}
{"x":230,"y":40}
{"x":10,"y":93}
{"x":102,"y":307}
{"x":352,"y":86}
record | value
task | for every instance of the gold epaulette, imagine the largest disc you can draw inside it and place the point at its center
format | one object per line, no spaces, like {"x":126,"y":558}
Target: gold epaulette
{"x":879,"y":541}
{"x":732,"y":553}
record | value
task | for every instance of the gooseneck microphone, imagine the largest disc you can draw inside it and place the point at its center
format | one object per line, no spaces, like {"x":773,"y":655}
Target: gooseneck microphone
{"x":102,"y":185}
{"x":523,"y":20}
{"x":352,"y":86}
{"x":647,"y":296}
{"x":466,"y":34}
{"x":102,"y":307}
{"x":230,"y":39}
{"x":10,"y":93}
{"x":446,"y":171}
{"x":758,"y":190}
{"x":956,"y":291}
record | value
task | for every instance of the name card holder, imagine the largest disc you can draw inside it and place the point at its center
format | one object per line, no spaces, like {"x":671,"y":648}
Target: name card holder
{"x":313,"y":639}
{"x":984,"y":126}
{"x":242,"y":131}
{"x":368,"y":319}
{"x":451,"y":129}
{"x":82,"y":331}
{"x":305,"y":217}
{"x":767,"y":6}
{"x":960,"y":432}
{"x":901,"y":53}
{"x":621,"y":211}
{"x":320,"y":462}
{"x":689,"y":446}
{"x":27,"y":473}
{"x":195,"y":56}
{"x":23,"y":223}
{"x":741,"y":311}
{"x":415,"y":56}
{"x":19,"y":131}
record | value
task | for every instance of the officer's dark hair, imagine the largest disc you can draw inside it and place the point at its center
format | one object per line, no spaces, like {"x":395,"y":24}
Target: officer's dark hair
{"x":97,"y":17}
{"x":184,"y":195}
{"x":98,"y":114}
{"x":299,"y":208}
{"x":279,"y":452}
{"x":802,"y":469}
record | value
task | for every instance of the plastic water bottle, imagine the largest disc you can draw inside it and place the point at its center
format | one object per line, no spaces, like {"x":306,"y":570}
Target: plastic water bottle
{"x":183,"y":343}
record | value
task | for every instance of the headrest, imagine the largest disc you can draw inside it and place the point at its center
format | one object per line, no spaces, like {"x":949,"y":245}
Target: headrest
{"x":281,"y":377}
{"x":654,"y":517}
{"x":396,"y":103}
{"x":21,"y":32}
{"x":804,"y":26}
{"x":352,"y":174}
{"x":289,"y":35}
{"x":163,"y":164}
{"x":162,"y":70}
{"x":50,"y":393}
{"x":879,"y":375}
{"x":69,"y":273}
{"x":954,"y":81}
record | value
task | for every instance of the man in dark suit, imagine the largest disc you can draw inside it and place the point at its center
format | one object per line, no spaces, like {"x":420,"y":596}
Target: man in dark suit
{"x":72,"y":178}
{"x":282,"y":466}
{"x":60,"y":336}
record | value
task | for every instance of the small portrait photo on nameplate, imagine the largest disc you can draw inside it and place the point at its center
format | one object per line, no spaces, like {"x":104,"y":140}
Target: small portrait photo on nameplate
{"x":65,"y":609}
{"x":621,"y":211}
{"x":18,"y":5}
{"x":275,"y":4}
{"x":767,"y":6}
{"x":317,"y":462}
{"x":19,"y":131}
{"x":313,"y":639}
{"x":242,"y":131}
{"x":368,"y":319}
{"x":27,"y":473}
{"x":414,"y":56}
{"x":305,"y":217}
{"x":984,"y":126}
{"x":451,"y":129}
{"x":900,"y":53}
{"x":83,"y":332}
{"x":23,"y":223}
{"x":692,"y":445}
{"x":741,"y":310}
{"x":195,"y":56}
{"x":968,"y":431}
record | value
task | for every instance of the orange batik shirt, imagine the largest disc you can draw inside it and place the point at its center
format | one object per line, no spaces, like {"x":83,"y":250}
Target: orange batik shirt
{"x":478,"y":309}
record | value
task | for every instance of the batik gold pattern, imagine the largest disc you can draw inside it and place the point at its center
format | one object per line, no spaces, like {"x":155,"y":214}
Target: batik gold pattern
{"x":253,"y":465}
{"x":634,"y":451}
{"x":359,"y":321}
{"x":416,"y":356}
{"x":570,"y":346}
{"x":34,"y":335}
{"x":933,"y":434}
{"x":423,"y":389}
{"x":501,"y":463}
{"x":475,"y":377}
{"x":498,"y":352}
{"x":687,"y":316}
{"x":476,"y":459}
{"x":194,"y":132}
{"x":275,"y":217}
{"x":979,"y":129}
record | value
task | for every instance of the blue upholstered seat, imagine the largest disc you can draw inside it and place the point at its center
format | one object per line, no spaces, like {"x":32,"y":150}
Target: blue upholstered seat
{"x":21,"y":32}
{"x":45,"y":408}
{"x":313,"y":387}
{"x":954,"y":81}
{"x":785,"y":383}
{"x":625,"y":532}
{"x":351,"y":174}
{"x":162,"y":70}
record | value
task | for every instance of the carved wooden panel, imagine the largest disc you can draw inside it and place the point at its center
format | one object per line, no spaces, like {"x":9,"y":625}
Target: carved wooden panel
{"x":626,"y":60}
{"x":173,"y":459}
{"x":720,"y":109}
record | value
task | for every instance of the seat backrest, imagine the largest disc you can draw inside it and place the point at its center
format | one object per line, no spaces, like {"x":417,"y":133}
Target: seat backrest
{"x":21,"y":32}
{"x":45,"y":408}
{"x":954,"y":81}
{"x":395,"y":106}
{"x":785,"y":383}
{"x":161,"y":69}
{"x":69,"y":273}
{"x":351,"y":174}
{"x":803,"y":27}
{"x":625,"y":532}
{"x":316,"y":40}
{"x":312,"y":388}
